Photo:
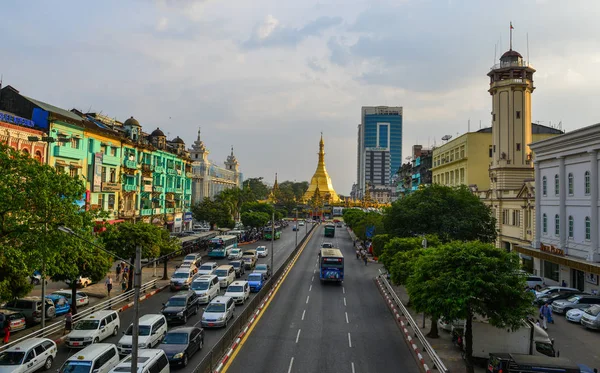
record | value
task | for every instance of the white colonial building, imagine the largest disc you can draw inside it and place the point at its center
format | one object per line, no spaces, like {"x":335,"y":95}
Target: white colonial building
{"x":567,"y":186}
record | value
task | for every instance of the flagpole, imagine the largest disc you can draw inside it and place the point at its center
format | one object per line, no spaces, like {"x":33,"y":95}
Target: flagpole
{"x":511,"y":28}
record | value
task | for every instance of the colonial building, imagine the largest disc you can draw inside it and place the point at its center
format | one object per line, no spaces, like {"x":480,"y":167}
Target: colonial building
{"x":23,"y":135}
{"x":566,"y":243}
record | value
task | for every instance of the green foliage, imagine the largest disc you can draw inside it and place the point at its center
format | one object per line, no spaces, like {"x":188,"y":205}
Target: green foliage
{"x":259,"y":189}
{"x":255,"y":219}
{"x":290,"y":194}
{"x":123,"y":238}
{"x":460,"y":279}
{"x":352,"y":216}
{"x":368,"y":220}
{"x":379,"y":242}
{"x":258,"y":207}
{"x":233,"y":199}
{"x":396,"y":245}
{"x":450,"y":213}
{"x":402,"y":265}
{"x":215,"y":212}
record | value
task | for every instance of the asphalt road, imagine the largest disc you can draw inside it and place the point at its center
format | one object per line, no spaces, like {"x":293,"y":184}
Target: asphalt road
{"x":283,"y":248}
{"x":315,"y":327}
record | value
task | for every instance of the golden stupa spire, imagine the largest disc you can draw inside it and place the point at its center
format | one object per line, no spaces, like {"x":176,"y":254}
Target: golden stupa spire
{"x":321,"y":182}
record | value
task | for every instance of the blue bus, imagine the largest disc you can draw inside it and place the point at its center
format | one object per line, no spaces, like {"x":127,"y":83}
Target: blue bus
{"x":220,"y":246}
{"x":331,"y":265}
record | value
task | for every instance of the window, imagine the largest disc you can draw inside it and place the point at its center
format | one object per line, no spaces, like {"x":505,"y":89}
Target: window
{"x":571,"y":227}
{"x":518,"y":115}
{"x":38,"y":156}
{"x":505,"y":217}
{"x":101,"y":201}
{"x":516,"y":218}
{"x":544,"y":224}
{"x":494,"y":117}
{"x":103,"y":174}
{"x":551,"y":270}
{"x":544,"y":186}
{"x":588,"y":228}
{"x":113,"y":175}
{"x":73,"y":172}
{"x":74,"y":143}
{"x":556,"y":225}
{"x":556,"y":185}
{"x":570,"y":178}
{"x":587,"y":183}
{"x":462,"y":175}
{"x":111,"y":201}
{"x":518,"y":146}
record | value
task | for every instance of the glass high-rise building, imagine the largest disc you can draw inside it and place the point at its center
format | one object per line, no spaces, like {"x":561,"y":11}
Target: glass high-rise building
{"x":379,"y":153}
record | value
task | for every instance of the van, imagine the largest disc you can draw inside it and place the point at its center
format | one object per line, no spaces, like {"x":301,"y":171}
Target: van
{"x":97,"y":358}
{"x":152,"y":329}
{"x":206,"y":288}
{"x":149,"y":361}
{"x":29,"y":356}
{"x":226,"y":275}
{"x":94,"y":328}
{"x":31,"y":307}
{"x":249,"y":260}
{"x":239,"y":291}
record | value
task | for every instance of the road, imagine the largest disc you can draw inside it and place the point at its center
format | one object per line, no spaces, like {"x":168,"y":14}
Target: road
{"x":283,"y":248}
{"x":314,"y":327}
{"x":575,"y":342}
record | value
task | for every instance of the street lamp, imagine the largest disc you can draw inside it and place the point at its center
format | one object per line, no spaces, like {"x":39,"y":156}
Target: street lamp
{"x":297,"y":226}
{"x":272,"y":240}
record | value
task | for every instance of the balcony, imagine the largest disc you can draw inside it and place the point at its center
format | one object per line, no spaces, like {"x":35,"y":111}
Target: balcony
{"x":130,"y":164}
{"x":189,"y":174}
{"x":130,"y":187}
{"x":147,"y":167}
{"x":171,"y":190}
{"x":68,"y":152}
{"x":127,"y":213}
{"x":158,"y":211}
{"x":146,"y":212}
{"x":172,"y":171}
{"x":169,"y":210}
{"x":147,"y":188}
{"x":111,"y":160}
{"x":158,"y":189}
{"x":178,"y":209}
{"x":159,"y":169}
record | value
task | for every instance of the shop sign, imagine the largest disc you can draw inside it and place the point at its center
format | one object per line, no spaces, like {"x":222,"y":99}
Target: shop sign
{"x":8,"y":118}
{"x":97,"y":184}
{"x":111,"y":187}
{"x":177,"y":222}
{"x":187,"y":217}
{"x":552,"y":249}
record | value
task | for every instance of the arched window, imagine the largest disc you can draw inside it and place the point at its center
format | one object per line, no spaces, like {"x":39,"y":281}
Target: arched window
{"x":571,"y":224}
{"x":556,"y":185}
{"x":570,"y":177}
{"x":587,"y":183}
{"x":25,"y":151}
{"x":38,"y":156}
{"x":588,"y":228}
{"x":544,"y":186}
{"x":544,"y":224}
{"x":556,"y":225}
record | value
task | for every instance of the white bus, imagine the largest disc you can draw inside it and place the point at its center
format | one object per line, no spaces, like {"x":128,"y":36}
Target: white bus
{"x":220,"y":246}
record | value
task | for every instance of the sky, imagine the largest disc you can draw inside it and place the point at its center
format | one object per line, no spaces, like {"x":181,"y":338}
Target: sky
{"x":268,"y":76}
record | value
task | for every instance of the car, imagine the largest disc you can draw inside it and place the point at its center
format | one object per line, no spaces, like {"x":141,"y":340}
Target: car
{"x":102,"y":357}
{"x":249,"y":261}
{"x":575,"y":301}
{"x":533,"y":282}
{"x":28,"y":356}
{"x":294,"y":228}
{"x":181,"y":306}
{"x":226,"y":275}
{"x":327,"y":245}
{"x":81,"y":282}
{"x":555,"y":296}
{"x":448,"y":326}
{"x":339,"y":225}
{"x":239,"y":291}
{"x":218,"y":312}
{"x":206,"y":287}
{"x":82,"y":298}
{"x":238,"y":266}
{"x":264,"y":269}
{"x":575,"y":314}
{"x":61,"y":305}
{"x":16,"y":320}
{"x":207,"y":268}
{"x":182,"y":278}
{"x":301,"y":223}
{"x":94,"y":328}
{"x":180,"y":344}
{"x":262,"y":251}
{"x":149,"y":361}
{"x":591,"y":317}
{"x":31,"y":307}
{"x":548,"y":290}
{"x":152,"y":329}
{"x":235,"y":254}
{"x":194,"y":259}
{"x":188,"y":266}
{"x":256,"y":280}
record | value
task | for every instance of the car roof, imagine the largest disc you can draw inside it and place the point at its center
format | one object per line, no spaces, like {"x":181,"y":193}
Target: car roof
{"x":261,"y":248}
{"x":8,"y":312}
{"x":224,"y":266}
{"x":209,"y":263}
{"x":183,"y":329}
{"x":146,"y":352}
{"x":256,"y":273}
{"x":54,"y":296}
{"x":239,"y":283}
{"x":221,"y":299}
{"x":262,"y":265}
{"x":182,"y":294}
{"x":27,"y":344}
{"x":98,"y":315}
{"x":63,"y":291}
{"x":150,"y":317}
{"x":92,"y":350}
{"x":235,"y":261}
{"x":205,"y":278}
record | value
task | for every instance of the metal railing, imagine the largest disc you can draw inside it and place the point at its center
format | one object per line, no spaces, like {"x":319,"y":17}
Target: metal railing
{"x":437,"y":362}
{"x":59,"y":326}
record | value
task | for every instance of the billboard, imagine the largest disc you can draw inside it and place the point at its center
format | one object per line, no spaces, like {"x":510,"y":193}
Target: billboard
{"x":97,"y":181}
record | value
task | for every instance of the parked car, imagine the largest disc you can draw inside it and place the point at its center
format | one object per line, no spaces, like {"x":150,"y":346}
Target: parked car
{"x":264,"y":269}
{"x":239,"y":291}
{"x":301,"y":223}
{"x":575,"y":301}
{"x":207,"y":268}
{"x":82,"y":298}
{"x":448,"y":326}
{"x":181,"y":306}
{"x":556,"y":296}
{"x":256,"y":280}
{"x":238,"y":266}
{"x":81,"y":282}
{"x":94,"y":328}
{"x":182,"y":343}
{"x":218,"y":312}
{"x":548,"y":290}
{"x":262,"y":251}
{"x":533,"y":282}
{"x":28,"y":356}
{"x":591,"y":317}
{"x":575,"y":314}
{"x":61,"y":305}
{"x":15,"y":319}
{"x":206,"y":287}
{"x":31,"y":307}
{"x":235,"y":254}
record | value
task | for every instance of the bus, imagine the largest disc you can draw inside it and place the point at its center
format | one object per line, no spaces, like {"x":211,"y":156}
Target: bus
{"x":220,"y":246}
{"x":267,"y":233}
{"x":331,"y":265}
{"x":330,"y":230}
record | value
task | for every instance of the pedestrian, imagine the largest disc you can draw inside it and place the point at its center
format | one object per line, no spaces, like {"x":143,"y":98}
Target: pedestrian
{"x":125,"y":277}
{"x":118,"y":272}
{"x":365,"y":259}
{"x":545,"y":315}
{"x":124,"y":285}
{"x":564,"y":283}
{"x":68,"y":323}
{"x":6,"y":328}
{"x":109,"y":284}
{"x":537,"y":322}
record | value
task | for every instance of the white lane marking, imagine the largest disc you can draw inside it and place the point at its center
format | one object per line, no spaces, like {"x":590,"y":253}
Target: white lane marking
{"x":307,"y":298}
{"x":313,"y":278}
{"x":349,"y":341}
{"x":303,"y":312}
{"x":352,"y":367}
{"x":344,"y":301}
{"x":343,"y":290}
{"x":315,"y":271}
{"x":291,"y":363}
{"x":347,"y":322}
{"x":298,"y":335}
{"x":310,"y":288}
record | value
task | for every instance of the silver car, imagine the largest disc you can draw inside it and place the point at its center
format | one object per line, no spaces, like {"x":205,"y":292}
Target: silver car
{"x":218,"y":312}
{"x":576,"y":301}
{"x":591,"y":317}
{"x":552,"y":290}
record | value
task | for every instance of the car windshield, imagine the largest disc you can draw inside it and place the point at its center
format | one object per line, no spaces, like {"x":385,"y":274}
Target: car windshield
{"x":206,"y":267}
{"x":175,"y":302}
{"x":221,"y":272}
{"x":260,"y":249}
{"x":247,"y":258}
{"x":254,"y":278}
{"x":234,"y":264}
{"x":235,"y":251}
{"x":235,"y":289}
{"x":593,"y":310}
{"x":175,"y":339}
{"x":190,"y":258}
{"x":261,"y":267}
{"x":573,"y":299}
{"x":215,"y":307}
{"x":181,"y":275}
{"x":11,"y":357}
{"x":144,"y":330}
{"x":199,"y":285}
{"x":76,"y":366}
{"x":87,"y":325}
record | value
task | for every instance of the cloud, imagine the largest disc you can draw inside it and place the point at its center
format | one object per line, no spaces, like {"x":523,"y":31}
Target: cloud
{"x":162,"y":24}
{"x":339,"y":54}
{"x":314,"y":65}
{"x":271,"y":33}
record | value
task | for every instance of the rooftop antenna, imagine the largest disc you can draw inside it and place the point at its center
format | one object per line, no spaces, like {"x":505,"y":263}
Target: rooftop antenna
{"x":495,"y":53}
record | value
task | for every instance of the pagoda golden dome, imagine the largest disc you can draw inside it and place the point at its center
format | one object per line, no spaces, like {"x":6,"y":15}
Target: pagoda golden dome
{"x":321,"y":182}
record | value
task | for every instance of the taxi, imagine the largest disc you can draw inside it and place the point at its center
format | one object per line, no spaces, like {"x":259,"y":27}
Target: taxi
{"x":28,"y":356}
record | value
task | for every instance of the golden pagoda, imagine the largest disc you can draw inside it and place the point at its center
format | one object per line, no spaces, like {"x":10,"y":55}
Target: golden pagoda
{"x":272,"y":198}
{"x":321,"y":182}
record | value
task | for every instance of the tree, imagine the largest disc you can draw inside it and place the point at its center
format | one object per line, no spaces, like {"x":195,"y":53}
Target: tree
{"x":369,"y":221}
{"x":460,"y":280}
{"x":34,"y":200}
{"x":255,"y":219}
{"x":352,"y":216}
{"x":259,"y":189}
{"x":379,"y":242}
{"x":215,"y":212}
{"x":450,"y":213}
{"x":258,"y":207}
{"x":284,"y":196}
{"x":234,"y":198}
{"x":167,"y":244}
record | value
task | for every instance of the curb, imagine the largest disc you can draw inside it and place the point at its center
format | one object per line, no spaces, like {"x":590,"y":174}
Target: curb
{"x":404,"y":326}
{"x":128,"y":305}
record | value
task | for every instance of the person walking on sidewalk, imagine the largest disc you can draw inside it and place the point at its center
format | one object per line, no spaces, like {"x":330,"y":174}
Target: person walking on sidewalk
{"x":109,"y":284}
{"x":118,"y":272}
{"x":68,"y":323}
{"x":365,"y":258}
{"x":546,"y":315}
{"x":6,"y":328}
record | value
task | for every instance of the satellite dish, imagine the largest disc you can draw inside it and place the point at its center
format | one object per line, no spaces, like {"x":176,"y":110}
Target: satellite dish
{"x":447,"y":137}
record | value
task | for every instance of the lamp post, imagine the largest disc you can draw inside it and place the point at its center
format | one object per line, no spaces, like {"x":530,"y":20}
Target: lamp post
{"x":272,"y":240}
{"x":296,"y":227}
{"x":424,"y":244}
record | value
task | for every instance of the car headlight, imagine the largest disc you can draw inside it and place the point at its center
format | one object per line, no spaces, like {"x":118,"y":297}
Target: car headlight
{"x":180,"y":313}
{"x":178,"y":356}
{"x":221,"y":318}
{"x":87,"y":338}
{"x":203,"y":318}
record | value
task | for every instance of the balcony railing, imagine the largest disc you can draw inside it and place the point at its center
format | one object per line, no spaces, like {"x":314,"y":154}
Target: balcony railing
{"x":111,"y":187}
{"x":112,"y":160}
{"x":130,"y":164}
{"x":159,"y":169}
{"x":146,"y":212}
{"x":67,"y":152}
{"x":169,"y":210}
{"x":172,"y":171}
{"x":171,"y":190}
{"x":147,"y":188}
{"x":158,"y":210}
{"x":130,"y":187}
{"x":177,"y":209}
{"x":147,"y":167}
{"x":158,"y":189}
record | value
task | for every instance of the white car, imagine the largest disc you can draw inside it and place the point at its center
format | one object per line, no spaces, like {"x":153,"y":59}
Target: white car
{"x":235,"y":254}
{"x":82,"y":298}
{"x":207,"y":268}
{"x":152,"y":329}
{"x":575,"y":314}
{"x":28,"y":356}
{"x":262,"y":251}
{"x":301,"y":223}
{"x":93,"y":329}
{"x":239,"y":291}
{"x":194,"y":259}
{"x":81,"y":282}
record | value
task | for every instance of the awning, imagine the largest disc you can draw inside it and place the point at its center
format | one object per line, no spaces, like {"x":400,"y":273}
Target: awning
{"x":61,"y":162}
{"x":575,"y":263}
{"x":74,"y":165}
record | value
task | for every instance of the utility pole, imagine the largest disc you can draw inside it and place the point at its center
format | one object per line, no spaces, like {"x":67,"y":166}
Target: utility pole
{"x":136,"y":308}
{"x":272,"y":240}
{"x":297,"y":226}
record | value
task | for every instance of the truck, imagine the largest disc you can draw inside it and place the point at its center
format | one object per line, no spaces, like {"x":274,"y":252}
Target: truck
{"x":529,"y":339}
